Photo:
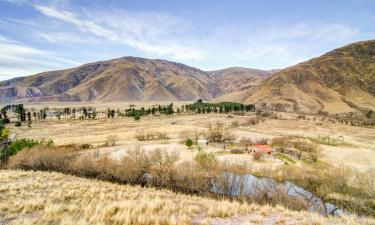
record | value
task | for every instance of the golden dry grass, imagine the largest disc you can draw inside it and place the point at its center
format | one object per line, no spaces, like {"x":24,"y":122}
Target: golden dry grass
{"x":54,"y":198}
{"x":95,"y":132}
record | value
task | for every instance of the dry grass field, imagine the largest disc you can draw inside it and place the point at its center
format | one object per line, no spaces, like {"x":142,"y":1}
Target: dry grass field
{"x":53,"y":198}
{"x":361,"y":155}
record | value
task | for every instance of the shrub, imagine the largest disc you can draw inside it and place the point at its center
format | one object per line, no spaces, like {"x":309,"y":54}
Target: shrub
{"x":43,"y":158}
{"x":205,"y":160}
{"x":328,"y":140}
{"x":234,"y":124}
{"x":253,"y":121}
{"x":219,"y":133}
{"x":142,"y":135}
{"x":17,"y":146}
{"x":17,"y":124}
{"x":137,"y":117}
{"x":261,"y":141}
{"x":111,"y":140}
{"x":189,"y":142}
{"x":280,"y":142}
{"x":246,"y":141}
{"x":192,"y":134}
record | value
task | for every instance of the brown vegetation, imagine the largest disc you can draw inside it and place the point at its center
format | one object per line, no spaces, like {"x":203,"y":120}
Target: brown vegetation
{"x":142,"y":135}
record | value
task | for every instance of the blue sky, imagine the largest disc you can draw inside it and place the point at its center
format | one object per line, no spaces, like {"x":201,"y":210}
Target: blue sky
{"x":36,"y":35}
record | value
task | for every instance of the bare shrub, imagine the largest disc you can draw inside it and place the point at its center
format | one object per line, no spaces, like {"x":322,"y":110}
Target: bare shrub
{"x":162,"y":168}
{"x":246,"y":142}
{"x":253,"y":121}
{"x":280,"y":142}
{"x":219,"y":133}
{"x":234,"y":124}
{"x":111,"y":140}
{"x":206,"y":160}
{"x":261,"y":141}
{"x":43,"y":158}
{"x":191,"y":134}
{"x":142,"y":135}
{"x":310,"y":151}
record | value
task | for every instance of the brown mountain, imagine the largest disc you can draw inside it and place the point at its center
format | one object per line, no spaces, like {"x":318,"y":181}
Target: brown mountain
{"x":127,"y":78}
{"x":339,"y":81}
{"x":238,"y":78}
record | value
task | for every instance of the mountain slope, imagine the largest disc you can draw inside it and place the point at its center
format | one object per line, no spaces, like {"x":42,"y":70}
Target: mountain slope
{"x":128,"y":78}
{"x":333,"y":82}
{"x":237,"y":78}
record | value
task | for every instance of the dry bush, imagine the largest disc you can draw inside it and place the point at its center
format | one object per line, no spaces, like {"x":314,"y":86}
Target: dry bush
{"x":206,"y":160}
{"x":261,"y":141}
{"x":280,"y":142}
{"x":347,"y":189}
{"x":310,"y":151}
{"x":191,"y":134}
{"x":219,"y":133}
{"x":43,"y":158}
{"x":111,"y":140}
{"x":142,"y":135}
{"x":234,"y":124}
{"x":246,"y":142}
{"x":253,"y":121}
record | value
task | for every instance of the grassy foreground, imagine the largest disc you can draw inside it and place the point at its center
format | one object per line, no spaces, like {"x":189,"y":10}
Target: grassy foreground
{"x":53,"y":198}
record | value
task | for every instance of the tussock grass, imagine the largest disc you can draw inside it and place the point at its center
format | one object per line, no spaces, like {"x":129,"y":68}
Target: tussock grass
{"x":329,"y":140}
{"x":43,"y":198}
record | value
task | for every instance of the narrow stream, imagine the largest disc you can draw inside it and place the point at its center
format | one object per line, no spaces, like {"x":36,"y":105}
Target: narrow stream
{"x":251,"y":186}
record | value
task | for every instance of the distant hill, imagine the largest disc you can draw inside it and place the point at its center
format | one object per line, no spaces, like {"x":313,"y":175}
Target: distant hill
{"x":123,"y":79}
{"x":238,"y":78}
{"x":339,"y":81}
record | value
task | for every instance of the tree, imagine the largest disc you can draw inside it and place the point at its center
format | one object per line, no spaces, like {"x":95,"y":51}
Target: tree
{"x":29,"y":121}
{"x":137,"y":117}
{"x":189,"y":142}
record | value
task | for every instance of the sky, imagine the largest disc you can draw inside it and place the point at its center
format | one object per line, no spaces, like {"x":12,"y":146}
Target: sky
{"x":37,"y":35}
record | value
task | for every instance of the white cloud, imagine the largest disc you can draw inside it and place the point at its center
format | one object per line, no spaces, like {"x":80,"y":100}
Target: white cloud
{"x":18,"y":59}
{"x":148,"y":35}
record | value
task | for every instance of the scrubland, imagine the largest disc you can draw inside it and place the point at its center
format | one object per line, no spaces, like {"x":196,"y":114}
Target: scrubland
{"x":335,"y":162}
{"x":54,"y":198}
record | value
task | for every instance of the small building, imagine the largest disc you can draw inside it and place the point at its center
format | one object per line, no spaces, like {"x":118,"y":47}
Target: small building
{"x":263,"y":149}
{"x":202,"y":142}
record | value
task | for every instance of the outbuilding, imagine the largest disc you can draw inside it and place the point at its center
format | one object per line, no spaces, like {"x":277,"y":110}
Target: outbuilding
{"x":202,"y":142}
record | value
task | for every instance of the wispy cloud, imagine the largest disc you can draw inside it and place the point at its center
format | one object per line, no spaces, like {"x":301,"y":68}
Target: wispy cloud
{"x":17,"y":58}
{"x":88,"y":33}
{"x":149,"y":35}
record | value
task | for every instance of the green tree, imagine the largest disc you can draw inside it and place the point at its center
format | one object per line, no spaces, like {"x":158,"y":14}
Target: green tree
{"x":29,"y":121}
{"x":137,"y":117}
{"x":189,"y":142}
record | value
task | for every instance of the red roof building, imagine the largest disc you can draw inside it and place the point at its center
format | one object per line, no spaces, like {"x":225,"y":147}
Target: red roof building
{"x":263,"y":149}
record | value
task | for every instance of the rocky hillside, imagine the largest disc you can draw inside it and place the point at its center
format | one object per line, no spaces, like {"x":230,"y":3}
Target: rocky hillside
{"x":120,"y":79}
{"x":339,"y":81}
{"x":238,"y":78}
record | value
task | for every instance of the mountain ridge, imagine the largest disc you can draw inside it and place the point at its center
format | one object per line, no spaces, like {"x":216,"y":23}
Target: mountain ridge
{"x":130,"y":78}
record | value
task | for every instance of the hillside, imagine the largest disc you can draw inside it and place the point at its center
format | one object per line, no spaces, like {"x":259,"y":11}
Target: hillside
{"x":124,"y":79}
{"x":54,"y":198}
{"x":237,"y":78}
{"x":339,"y":81}
{"x":127,"y":78}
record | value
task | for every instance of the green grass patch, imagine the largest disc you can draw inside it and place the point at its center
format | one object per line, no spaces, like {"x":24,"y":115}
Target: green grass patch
{"x":284,"y":158}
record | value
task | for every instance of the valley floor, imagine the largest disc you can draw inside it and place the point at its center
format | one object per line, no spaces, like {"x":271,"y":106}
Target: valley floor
{"x":52,"y":198}
{"x":360,"y":155}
